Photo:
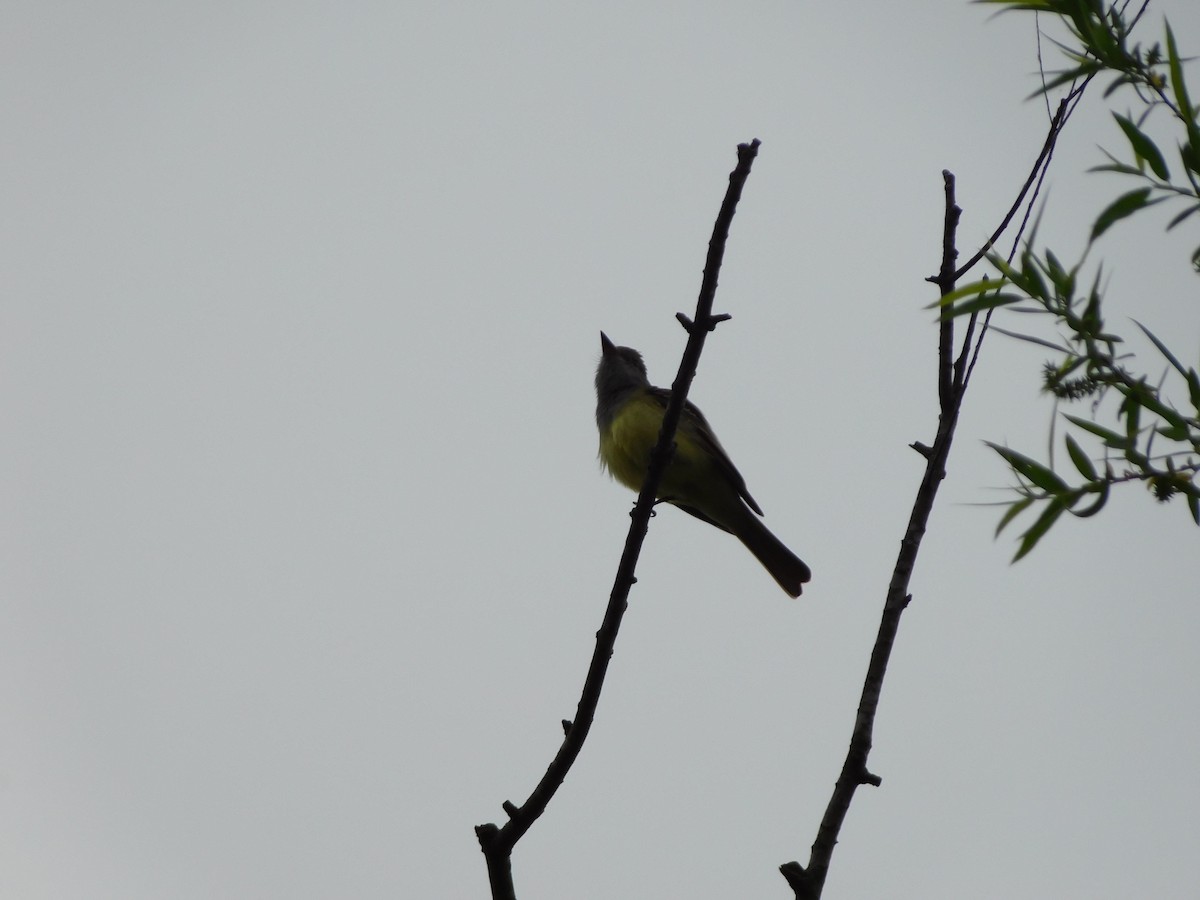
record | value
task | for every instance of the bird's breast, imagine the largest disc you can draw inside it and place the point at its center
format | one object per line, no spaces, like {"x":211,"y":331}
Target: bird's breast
{"x":629,"y":439}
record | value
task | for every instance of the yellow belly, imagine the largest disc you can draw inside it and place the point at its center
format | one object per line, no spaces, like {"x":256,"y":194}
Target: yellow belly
{"x":626,"y":445}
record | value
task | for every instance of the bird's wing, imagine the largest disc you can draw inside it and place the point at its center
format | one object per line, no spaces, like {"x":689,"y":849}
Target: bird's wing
{"x":697,"y":428}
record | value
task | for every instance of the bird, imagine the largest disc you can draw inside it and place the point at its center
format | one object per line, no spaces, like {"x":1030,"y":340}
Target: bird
{"x":700,"y":479}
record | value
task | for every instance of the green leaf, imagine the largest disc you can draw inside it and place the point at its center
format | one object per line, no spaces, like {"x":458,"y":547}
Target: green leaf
{"x":1014,"y":510}
{"x":1150,"y":401}
{"x":1038,"y":529}
{"x":1118,"y":82}
{"x":1139,"y":459}
{"x":1035,"y":5}
{"x":1183,"y":215}
{"x":1173,"y":62}
{"x":1080,"y":459}
{"x":1058,"y":274}
{"x":1143,"y":147}
{"x":1031,"y":470}
{"x":1101,"y":500}
{"x":1066,"y":76}
{"x":1175,"y":432}
{"x":1162,"y":348}
{"x":1119,"y":168}
{"x":1193,"y":383}
{"x":986,"y":301}
{"x":1042,"y":5}
{"x":967,"y":290}
{"x":1030,"y":338}
{"x":1090,"y":323}
{"x":1175,"y":65}
{"x":1111,"y":438}
{"x":1131,"y":409}
{"x":1189,"y":154}
{"x":1125,"y":205}
{"x":1002,"y":265}
{"x":1031,"y":278}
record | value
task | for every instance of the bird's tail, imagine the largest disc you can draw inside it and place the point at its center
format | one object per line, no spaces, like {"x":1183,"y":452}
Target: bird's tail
{"x":784,"y":565}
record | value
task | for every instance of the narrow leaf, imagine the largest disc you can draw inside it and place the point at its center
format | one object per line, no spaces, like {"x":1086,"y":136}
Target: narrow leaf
{"x":1031,"y":470}
{"x":1193,"y":383}
{"x":982,"y":302}
{"x":1119,"y":168}
{"x":1175,"y":432}
{"x":1041,"y":5}
{"x":1080,"y":459}
{"x":1162,"y":348}
{"x":1175,"y":65}
{"x":967,"y":290}
{"x":1176,"y":68}
{"x":1111,"y":438}
{"x":1014,"y":510}
{"x":1030,"y":338}
{"x":1117,"y":83}
{"x":1101,"y":500}
{"x":1038,"y":529}
{"x":1125,"y":205}
{"x":1143,"y":147}
{"x":1079,"y":73}
{"x":1183,"y":215}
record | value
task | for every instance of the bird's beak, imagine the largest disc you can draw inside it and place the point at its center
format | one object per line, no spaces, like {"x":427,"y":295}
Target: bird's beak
{"x":606,"y":346}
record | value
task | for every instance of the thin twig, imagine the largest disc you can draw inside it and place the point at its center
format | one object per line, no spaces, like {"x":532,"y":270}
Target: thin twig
{"x":497,"y":842}
{"x":808,"y":882}
{"x":1037,"y":176}
{"x":946,"y":276}
{"x":1056,"y":125}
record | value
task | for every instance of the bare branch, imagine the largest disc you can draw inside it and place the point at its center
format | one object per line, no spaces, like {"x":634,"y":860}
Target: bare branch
{"x":808,"y":882}
{"x":497,"y":842}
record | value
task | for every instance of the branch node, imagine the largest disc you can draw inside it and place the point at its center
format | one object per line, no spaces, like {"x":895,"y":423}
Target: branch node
{"x":511,"y":808}
{"x":708,"y":323}
{"x":924,"y":449}
{"x":566,"y":726}
{"x":873,"y":780}
{"x":712,"y":322}
{"x":797,"y":878}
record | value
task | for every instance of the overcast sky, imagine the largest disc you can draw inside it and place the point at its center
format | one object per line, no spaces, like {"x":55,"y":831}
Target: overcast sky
{"x":303,"y":541}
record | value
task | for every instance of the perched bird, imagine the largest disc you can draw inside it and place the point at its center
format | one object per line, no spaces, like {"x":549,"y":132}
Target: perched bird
{"x":701,"y":479}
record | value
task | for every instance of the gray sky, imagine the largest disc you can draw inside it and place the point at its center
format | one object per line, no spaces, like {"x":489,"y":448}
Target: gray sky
{"x":304,"y":538}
